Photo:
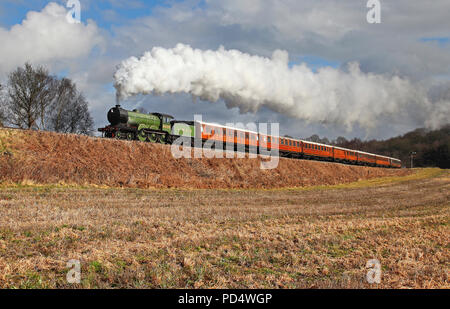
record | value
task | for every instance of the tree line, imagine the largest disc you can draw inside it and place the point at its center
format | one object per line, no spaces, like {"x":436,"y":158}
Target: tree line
{"x":431,"y":147}
{"x":34,"y":99}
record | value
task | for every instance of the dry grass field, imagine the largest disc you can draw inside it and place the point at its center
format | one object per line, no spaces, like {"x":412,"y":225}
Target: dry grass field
{"x":312,"y":237}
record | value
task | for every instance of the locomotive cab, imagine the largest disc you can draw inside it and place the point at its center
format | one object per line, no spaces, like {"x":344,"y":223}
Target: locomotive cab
{"x":164,"y":121}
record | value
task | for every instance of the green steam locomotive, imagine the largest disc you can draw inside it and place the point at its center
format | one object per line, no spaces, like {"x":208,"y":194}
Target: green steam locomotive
{"x":133,"y":125}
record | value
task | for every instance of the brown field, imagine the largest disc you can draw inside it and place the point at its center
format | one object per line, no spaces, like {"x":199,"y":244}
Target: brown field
{"x":314,"y":237}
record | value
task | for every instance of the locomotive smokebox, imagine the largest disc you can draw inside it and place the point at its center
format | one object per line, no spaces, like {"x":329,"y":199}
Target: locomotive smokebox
{"x":117,"y":115}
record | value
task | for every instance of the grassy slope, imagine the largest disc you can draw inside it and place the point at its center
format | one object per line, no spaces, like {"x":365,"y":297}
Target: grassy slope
{"x":281,"y":238}
{"x":30,"y":157}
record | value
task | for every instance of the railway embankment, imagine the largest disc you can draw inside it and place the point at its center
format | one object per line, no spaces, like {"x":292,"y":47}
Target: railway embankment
{"x":36,"y":157}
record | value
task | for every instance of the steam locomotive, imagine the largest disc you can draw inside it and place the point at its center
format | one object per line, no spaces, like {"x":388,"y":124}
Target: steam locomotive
{"x":163,"y":128}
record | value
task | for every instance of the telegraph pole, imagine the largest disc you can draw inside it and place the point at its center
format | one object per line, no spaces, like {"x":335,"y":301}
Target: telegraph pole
{"x":412,"y":154}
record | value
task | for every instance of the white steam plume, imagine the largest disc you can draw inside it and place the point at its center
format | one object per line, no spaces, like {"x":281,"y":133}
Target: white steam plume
{"x":249,"y":82}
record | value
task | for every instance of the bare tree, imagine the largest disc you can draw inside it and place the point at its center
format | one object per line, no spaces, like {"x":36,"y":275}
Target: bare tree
{"x":40,"y":101}
{"x":341,"y":141}
{"x":30,"y":92}
{"x":2,"y":107}
{"x":69,"y":111}
{"x":314,"y":138}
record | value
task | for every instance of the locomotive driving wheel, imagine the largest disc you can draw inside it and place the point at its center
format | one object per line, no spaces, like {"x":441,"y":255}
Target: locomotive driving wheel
{"x":142,"y":136}
{"x":153,"y":137}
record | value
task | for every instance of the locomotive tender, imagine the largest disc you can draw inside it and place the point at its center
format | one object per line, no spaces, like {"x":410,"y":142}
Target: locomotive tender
{"x":163,"y":128}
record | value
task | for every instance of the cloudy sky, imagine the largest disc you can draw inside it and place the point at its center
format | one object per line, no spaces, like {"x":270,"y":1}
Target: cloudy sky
{"x":405,"y":59}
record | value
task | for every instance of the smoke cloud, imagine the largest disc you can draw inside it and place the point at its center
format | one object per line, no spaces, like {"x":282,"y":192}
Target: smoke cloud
{"x":343,"y":96}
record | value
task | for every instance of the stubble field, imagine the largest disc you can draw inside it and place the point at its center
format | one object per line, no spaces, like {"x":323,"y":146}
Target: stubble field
{"x":313,"y":237}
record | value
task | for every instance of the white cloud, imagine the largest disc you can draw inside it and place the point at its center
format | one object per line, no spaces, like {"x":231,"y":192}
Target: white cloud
{"x":46,"y":37}
{"x":251,"y":82}
{"x":334,"y":30}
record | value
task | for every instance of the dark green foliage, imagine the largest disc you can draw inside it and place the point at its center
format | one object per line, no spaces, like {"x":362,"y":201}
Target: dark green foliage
{"x":431,"y":146}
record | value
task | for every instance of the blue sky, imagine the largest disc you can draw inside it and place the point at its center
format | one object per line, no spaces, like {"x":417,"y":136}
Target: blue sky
{"x":412,"y":42}
{"x":108,"y":14}
{"x":17,"y":10}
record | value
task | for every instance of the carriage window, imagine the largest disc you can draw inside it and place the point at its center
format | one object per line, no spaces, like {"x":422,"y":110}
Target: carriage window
{"x":268,"y":139}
